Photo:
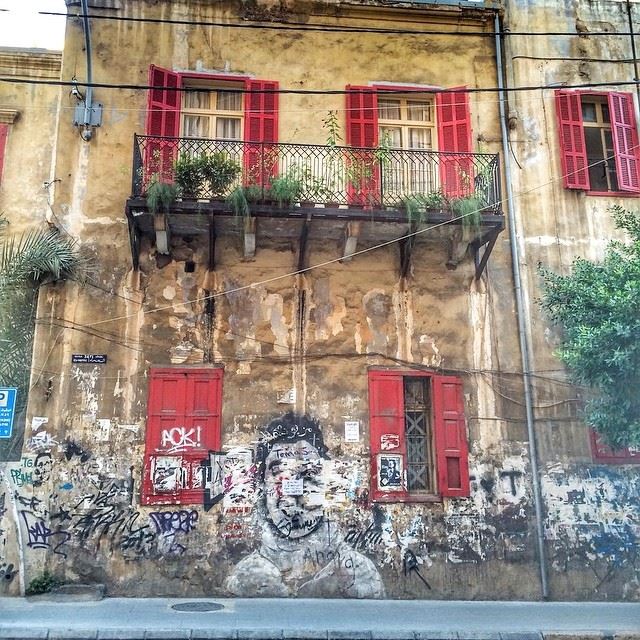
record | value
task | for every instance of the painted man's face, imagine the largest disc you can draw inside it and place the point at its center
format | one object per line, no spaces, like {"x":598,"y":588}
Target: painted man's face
{"x":42,"y":469}
{"x":294,"y":488}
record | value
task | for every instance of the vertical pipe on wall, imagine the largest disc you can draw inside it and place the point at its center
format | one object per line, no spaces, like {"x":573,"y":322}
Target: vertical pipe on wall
{"x":88,"y":98}
{"x":636,"y":75}
{"x":523,"y":328}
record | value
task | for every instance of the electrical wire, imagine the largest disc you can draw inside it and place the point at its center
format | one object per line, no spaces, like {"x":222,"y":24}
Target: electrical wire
{"x":289,"y":26}
{"x":320,"y":92}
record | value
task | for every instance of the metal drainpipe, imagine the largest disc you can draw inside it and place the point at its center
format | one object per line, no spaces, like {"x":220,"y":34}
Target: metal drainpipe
{"x":636,"y":75}
{"x":87,"y":133}
{"x":522,"y":325}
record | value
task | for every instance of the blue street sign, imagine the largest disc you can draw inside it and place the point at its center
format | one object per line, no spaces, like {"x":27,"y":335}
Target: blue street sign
{"x":7,"y":409}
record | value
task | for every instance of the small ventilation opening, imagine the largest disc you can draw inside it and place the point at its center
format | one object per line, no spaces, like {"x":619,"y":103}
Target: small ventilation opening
{"x":189,"y":266}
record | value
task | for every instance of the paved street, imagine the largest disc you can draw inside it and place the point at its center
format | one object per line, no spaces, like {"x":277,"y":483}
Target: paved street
{"x":267,"y":619}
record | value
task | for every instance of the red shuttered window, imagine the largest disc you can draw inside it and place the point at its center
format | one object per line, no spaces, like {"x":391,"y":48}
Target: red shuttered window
{"x":598,"y":140}
{"x":208,"y":110}
{"x":183,"y":426}
{"x":401,"y":118}
{"x":602,"y":453}
{"x":418,"y":436}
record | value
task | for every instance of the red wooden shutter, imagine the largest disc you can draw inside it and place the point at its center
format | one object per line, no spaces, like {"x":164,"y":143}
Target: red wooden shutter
{"x":450,"y":436}
{"x":163,"y":120}
{"x":573,"y":149}
{"x":363,"y":187}
{"x":386,"y":431}
{"x":183,"y":425}
{"x":625,"y":141}
{"x":260,"y":128}
{"x":454,"y":137}
{"x":4,"y":132}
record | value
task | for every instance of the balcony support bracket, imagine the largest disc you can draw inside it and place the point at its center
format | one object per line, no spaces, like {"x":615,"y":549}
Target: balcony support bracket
{"x":488,"y":241}
{"x":211,"y":266}
{"x":352,"y":233}
{"x":406,"y":249}
{"x":249,"y":238}
{"x":134,"y":239}
{"x":161,"y":228}
{"x":302,"y":244}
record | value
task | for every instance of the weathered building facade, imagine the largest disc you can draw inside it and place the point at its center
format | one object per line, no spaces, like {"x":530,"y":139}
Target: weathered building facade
{"x":301,"y":374}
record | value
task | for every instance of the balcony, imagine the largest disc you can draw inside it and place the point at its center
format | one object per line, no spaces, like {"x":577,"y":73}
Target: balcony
{"x":302,"y":191}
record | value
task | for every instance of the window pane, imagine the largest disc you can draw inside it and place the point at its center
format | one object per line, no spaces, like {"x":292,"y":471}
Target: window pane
{"x":420,"y":138}
{"x":231,"y":101}
{"x":388,"y":109}
{"x":417,"y":402}
{"x":197,"y":100}
{"x":196,"y":126}
{"x":589,"y":112}
{"x":605,"y":112}
{"x":419,"y":111}
{"x":391,"y":136}
{"x":228,"y":128}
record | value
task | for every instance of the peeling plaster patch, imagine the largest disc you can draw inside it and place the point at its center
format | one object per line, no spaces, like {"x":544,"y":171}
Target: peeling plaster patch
{"x":169,"y":292}
{"x":357,"y":337}
{"x":377,"y":307}
{"x":87,"y":381}
{"x":79,"y":191}
{"x":403,"y":310}
{"x":273,"y":312}
{"x":117,"y":389}
{"x":482,"y":343}
{"x":186,"y":353}
{"x":429,"y":351}
{"x":592,"y":515}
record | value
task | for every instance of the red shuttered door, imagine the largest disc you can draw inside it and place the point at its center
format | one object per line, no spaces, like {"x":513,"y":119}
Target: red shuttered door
{"x":363,"y":172}
{"x":573,"y":148}
{"x":386,"y":415}
{"x":450,"y":436}
{"x":260,"y":128}
{"x":163,"y":119}
{"x":183,"y":425}
{"x":454,"y":137}
{"x":625,"y":141}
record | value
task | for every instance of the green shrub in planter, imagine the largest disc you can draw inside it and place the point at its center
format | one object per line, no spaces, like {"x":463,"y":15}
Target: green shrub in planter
{"x":189,"y":175}
{"x":286,"y":189}
{"x":219,"y":171}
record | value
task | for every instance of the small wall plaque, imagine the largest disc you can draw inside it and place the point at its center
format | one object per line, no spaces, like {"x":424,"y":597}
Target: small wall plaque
{"x":89,"y":358}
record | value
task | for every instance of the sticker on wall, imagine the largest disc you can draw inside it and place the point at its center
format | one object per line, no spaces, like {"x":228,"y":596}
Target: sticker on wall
{"x":389,"y":441}
{"x":287,"y":397}
{"x":37,"y":422}
{"x":390,"y":470}
{"x":351,"y":431}
{"x":293,"y":487}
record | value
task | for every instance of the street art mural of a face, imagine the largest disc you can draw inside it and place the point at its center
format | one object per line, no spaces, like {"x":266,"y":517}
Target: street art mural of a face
{"x":42,"y":469}
{"x":302,"y":552}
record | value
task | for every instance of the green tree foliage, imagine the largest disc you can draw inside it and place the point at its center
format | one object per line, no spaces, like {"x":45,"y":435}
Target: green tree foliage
{"x":598,"y":307}
{"x":27,"y":261}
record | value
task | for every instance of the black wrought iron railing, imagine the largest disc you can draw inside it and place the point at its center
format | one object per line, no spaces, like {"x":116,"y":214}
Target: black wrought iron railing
{"x":316,"y":174}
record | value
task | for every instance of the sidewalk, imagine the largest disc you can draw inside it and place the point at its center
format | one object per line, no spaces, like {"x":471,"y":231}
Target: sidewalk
{"x":67,"y":617}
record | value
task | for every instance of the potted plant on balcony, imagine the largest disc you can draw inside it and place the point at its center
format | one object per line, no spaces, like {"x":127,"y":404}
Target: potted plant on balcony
{"x":469,"y":210}
{"x":189,"y":175}
{"x":243,"y":196}
{"x":219,"y":171}
{"x":287,"y":188}
{"x":161,"y":195}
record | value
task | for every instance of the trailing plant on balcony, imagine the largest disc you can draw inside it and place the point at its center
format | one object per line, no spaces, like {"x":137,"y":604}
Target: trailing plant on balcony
{"x":469,"y":210}
{"x":219,"y":171}
{"x":161,"y":195}
{"x":242,"y":196}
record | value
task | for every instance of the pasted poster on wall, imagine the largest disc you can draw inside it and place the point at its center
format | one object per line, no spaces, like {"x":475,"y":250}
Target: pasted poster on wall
{"x":390,"y":472}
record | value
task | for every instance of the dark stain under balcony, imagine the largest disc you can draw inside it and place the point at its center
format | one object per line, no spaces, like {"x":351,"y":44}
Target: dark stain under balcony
{"x":357,"y":196}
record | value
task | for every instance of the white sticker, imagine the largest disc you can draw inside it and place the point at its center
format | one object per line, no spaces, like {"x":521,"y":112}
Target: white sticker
{"x":292,"y":487}
{"x":352,"y":431}
{"x":37,"y":422}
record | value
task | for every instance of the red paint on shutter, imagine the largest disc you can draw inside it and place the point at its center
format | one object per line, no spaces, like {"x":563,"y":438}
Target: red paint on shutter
{"x":386,"y":429}
{"x":450,"y":437}
{"x":163,"y":120}
{"x":573,"y":149}
{"x":362,"y":132}
{"x":4,"y":133}
{"x":625,"y":141}
{"x":260,"y":129}
{"x":183,"y":425}
{"x":454,"y":137}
